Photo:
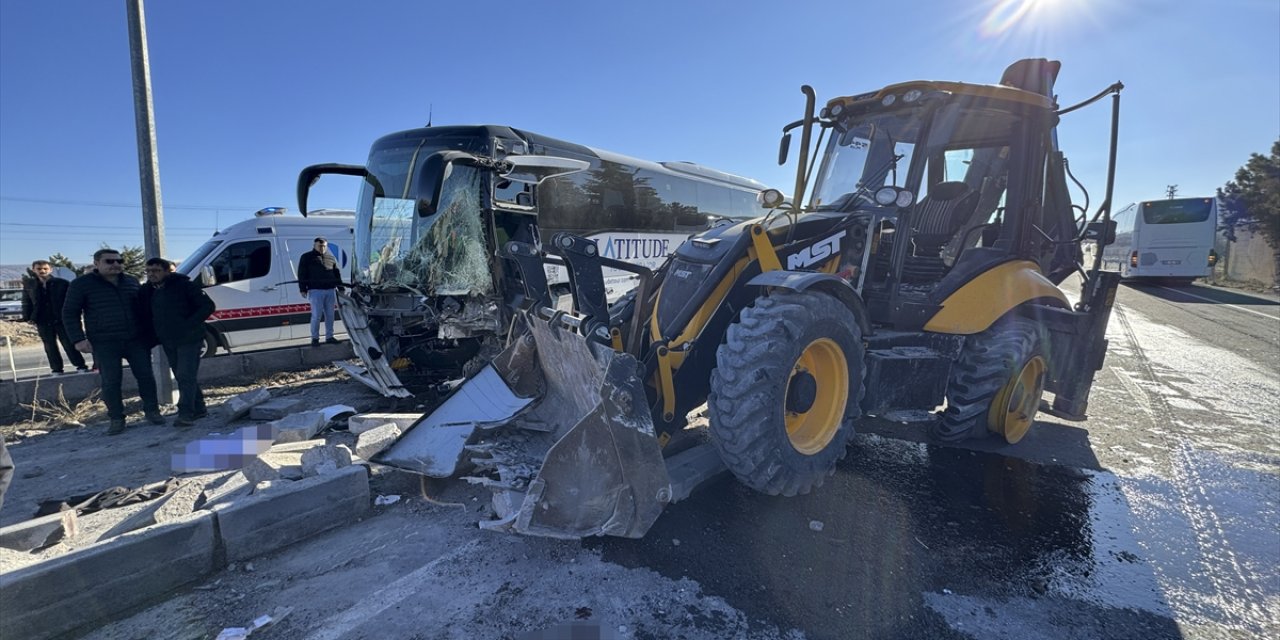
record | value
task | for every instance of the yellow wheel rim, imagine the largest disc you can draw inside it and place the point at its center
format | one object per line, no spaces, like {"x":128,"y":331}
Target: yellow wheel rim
{"x":811,"y":430}
{"x":1014,"y":408}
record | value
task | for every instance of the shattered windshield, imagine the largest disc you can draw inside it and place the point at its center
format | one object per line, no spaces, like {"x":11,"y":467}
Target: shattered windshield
{"x":865,"y":154}
{"x":440,"y":254}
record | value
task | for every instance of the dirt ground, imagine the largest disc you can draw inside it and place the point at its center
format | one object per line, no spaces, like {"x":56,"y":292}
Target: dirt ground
{"x":19,"y":333}
{"x":67,"y":453}
{"x":423,"y":553}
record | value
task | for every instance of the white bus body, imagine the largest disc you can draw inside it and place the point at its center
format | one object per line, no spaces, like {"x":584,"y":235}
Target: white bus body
{"x":1166,"y":239}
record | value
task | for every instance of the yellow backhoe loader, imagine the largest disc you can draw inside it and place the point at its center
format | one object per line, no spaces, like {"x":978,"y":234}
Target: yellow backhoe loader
{"x":923,"y":271}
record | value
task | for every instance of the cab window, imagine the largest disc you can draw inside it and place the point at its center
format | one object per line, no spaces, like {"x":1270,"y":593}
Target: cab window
{"x":242,"y":261}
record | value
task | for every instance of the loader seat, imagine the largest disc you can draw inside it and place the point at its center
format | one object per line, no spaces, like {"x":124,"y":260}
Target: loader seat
{"x":938,"y":217}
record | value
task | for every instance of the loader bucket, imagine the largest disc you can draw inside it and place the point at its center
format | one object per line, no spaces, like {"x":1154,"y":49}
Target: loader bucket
{"x":581,"y":457}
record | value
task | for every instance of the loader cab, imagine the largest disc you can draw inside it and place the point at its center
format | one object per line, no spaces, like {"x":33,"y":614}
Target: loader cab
{"x":971,"y":161}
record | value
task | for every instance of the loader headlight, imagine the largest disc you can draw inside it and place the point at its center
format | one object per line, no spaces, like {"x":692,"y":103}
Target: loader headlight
{"x":770,"y":198}
{"x":888,"y":100}
{"x":836,"y":109}
{"x":886,"y":196}
{"x":912,"y":95}
{"x":905,"y":198}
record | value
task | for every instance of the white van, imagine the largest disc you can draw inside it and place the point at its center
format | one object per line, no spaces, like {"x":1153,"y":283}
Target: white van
{"x":250,"y":269}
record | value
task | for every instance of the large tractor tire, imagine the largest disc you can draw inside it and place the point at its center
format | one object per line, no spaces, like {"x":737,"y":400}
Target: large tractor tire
{"x":996,"y":384}
{"x":786,"y":391}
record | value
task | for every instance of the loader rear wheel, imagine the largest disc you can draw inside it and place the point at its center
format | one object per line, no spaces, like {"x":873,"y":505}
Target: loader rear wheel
{"x":786,"y":390}
{"x":996,"y":385}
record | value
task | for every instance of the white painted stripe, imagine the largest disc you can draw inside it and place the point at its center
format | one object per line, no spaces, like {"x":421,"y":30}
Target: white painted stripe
{"x":387,"y":597}
{"x":1265,"y":315}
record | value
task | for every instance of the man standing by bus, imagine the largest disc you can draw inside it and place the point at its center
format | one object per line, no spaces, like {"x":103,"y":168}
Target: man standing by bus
{"x":318,"y":277}
{"x":176,"y":308}
{"x":42,"y":300}
{"x":107,"y":297}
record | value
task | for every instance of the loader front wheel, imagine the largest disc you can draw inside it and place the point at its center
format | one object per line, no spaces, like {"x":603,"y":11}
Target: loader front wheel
{"x":786,"y":391}
{"x":996,"y":385}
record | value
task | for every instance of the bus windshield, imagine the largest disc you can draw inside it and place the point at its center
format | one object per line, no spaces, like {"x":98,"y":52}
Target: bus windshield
{"x":1176,"y":211}
{"x":439,"y":254}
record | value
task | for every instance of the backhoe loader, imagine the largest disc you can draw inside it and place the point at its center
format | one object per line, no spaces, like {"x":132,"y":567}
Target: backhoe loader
{"x":923,"y":272}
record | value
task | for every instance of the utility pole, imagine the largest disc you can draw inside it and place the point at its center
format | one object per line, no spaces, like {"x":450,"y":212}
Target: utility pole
{"x":148,"y":167}
{"x":1171,"y":191}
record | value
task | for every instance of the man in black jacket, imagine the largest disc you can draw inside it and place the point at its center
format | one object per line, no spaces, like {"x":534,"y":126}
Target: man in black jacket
{"x":108,"y":299}
{"x":176,"y":308}
{"x":42,"y":300}
{"x":318,"y":276}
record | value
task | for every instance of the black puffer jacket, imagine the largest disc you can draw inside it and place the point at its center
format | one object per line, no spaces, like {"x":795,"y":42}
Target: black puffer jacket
{"x":176,"y":309}
{"x":110,"y":310}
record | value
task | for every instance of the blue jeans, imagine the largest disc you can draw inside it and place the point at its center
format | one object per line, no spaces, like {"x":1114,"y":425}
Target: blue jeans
{"x":323,"y":302}
{"x":184,"y":359}
{"x":110,"y":357}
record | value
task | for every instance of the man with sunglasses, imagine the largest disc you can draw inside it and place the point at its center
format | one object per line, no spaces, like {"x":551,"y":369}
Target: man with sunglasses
{"x":107,"y":298}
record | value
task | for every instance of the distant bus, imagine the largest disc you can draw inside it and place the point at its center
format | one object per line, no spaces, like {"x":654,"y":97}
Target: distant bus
{"x":1164,"y":239}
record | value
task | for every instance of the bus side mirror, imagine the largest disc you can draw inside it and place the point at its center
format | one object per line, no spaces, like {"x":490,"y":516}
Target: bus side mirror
{"x":206,"y":276}
{"x":535,"y":169}
{"x":1104,"y":233}
{"x":784,"y":147}
{"x":429,"y":181}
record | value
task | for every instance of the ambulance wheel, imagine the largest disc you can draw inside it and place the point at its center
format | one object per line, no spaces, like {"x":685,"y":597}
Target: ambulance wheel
{"x":786,"y":391}
{"x":210,"y":345}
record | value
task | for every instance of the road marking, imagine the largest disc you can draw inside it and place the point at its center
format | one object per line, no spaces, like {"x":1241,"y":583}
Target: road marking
{"x":387,"y":597}
{"x":1265,"y":315}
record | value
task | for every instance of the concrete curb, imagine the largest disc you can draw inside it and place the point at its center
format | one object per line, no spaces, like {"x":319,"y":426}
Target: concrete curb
{"x":78,"y":386}
{"x":104,"y":581}
{"x":260,"y":524}
{"x":62,"y":594}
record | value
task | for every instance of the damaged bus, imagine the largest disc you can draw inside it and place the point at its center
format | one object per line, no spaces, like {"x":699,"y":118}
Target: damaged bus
{"x":432,"y":293}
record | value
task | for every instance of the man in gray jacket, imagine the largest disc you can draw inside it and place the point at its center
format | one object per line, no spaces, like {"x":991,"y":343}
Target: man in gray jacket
{"x":108,"y":300}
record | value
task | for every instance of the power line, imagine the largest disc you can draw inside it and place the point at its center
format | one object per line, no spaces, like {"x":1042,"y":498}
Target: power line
{"x":128,"y":205}
{"x":87,"y":226}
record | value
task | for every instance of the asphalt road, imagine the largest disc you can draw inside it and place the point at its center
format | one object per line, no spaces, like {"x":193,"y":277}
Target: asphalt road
{"x":1159,"y":517}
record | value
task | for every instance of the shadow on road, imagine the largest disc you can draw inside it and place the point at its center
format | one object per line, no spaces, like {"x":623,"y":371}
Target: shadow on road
{"x":910,"y":540}
{"x":1192,"y":294}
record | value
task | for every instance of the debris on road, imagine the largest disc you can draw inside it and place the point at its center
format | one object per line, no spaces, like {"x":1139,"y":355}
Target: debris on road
{"x":363,"y":422}
{"x":383,"y":501}
{"x":274,"y":409}
{"x":325,"y":459}
{"x":815,"y":525}
{"x":240,"y":633}
{"x":240,"y":405}
{"x":374,"y":440}
{"x":297,"y":427}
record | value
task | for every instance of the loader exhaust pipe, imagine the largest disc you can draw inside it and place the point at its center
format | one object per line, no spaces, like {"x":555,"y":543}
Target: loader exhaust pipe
{"x":811,"y":99}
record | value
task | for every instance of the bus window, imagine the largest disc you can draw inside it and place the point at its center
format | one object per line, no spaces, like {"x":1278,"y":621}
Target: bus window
{"x":1175,"y":211}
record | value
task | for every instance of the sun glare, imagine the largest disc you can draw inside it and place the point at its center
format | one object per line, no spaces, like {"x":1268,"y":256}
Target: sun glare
{"x":1009,"y":14}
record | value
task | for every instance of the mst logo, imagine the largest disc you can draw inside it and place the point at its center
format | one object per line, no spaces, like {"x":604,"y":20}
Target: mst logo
{"x":815,"y":253}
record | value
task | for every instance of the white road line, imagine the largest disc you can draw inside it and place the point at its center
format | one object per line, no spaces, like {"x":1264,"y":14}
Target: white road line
{"x":1265,"y":315}
{"x":387,"y":597}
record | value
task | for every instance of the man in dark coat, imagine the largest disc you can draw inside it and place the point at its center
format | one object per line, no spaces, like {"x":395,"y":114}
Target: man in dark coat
{"x":176,"y":308}
{"x":318,"y":277}
{"x":42,"y":300}
{"x":107,"y":298}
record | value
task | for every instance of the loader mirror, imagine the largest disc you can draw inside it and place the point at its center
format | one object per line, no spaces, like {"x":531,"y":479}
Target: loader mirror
{"x":535,"y":169}
{"x":784,"y":147}
{"x":1104,"y":233}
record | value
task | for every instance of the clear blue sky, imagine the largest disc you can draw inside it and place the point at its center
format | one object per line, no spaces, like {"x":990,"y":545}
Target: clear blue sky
{"x":248,"y":92}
